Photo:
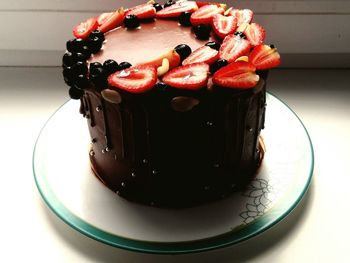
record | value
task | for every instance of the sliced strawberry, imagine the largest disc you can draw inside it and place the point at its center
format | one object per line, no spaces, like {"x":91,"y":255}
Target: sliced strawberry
{"x":203,"y":54}
{"x":145,"y":11}
{"x":172,"y":56}
{"x":102,"y":18}
{"x":204,"y":15}
{"x":239,"y":74}
{"x":255,"y":34}
{"x":112,"y":21}
{"x":264,"y":57}
{"x":224,"y":25}
{"x":242,"y":15}
{"x":84,"y":29}
{"x":176,"y":9}
{"x":233,"y":47}
{"x":138,"y":79}
{"x":200,"y":4}
{"x":192,"y":76}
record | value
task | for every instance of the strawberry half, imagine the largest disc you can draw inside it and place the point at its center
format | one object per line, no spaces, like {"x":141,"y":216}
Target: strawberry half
{"x":224,"y":25}
{"x":200,"y":4}
{"x":84,"y":29}
{"x":242,"y":15}
{"x":239,"y":74}
{"x":138,"y":79}
{"x":204,"y":15}
{"x":192,"y":76}
{"x":102,"y":18}
{"x":264,"y":57}
{"x":233,"y":47}
{"x":255,"y":34}
{"x":145,"y":11}
{"x":112,"y":21}
{"x":176,"y":9}
{"x":203,"y":54}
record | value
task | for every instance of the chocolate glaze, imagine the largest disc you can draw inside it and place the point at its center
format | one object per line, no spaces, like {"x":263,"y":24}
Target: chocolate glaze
{"x":159,"y":156}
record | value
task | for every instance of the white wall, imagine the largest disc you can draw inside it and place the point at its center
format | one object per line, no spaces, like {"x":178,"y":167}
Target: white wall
{"x":310,"y":33}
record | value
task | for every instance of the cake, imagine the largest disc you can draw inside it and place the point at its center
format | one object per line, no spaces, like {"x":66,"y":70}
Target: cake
{"x":176,"y":123}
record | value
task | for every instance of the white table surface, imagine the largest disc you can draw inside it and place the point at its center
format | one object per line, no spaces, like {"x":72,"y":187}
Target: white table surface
{"x":316,"y":231}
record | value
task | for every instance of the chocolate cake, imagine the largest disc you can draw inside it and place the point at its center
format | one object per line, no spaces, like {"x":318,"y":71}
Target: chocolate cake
{"x":177,"y":123}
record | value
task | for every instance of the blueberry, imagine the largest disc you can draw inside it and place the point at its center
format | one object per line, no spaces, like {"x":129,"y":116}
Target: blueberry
{"x":183,"y":50}
{"x":169,"y":3}
{"x":81,"y":82}
{"x":79,"y":68}
{"x":75,"y":93}
{"x":96,"y":72}
{"x":272,"y":46}
{"x":185,"y":19}
{"x":67,"y":76}
{"x":161,"y":86}
{"x":110,"y":66}
{"x":68,"y":59}
{"x":124,"y":65}
{"x":98,"y":78}
{"x":85,"y":50}
{"x":202,"y":31}
{"x":218,"y":65}
{"x":157,"y":6}
{"x":79,"y":57}
{"x":131,"y":21}
{"x":213,"y":45}
{"x":241,"y":34}
{"x":94,"y":65}
{"x":74,"y":45}
{"x":94,"y":44}
{"x":98,"y":34}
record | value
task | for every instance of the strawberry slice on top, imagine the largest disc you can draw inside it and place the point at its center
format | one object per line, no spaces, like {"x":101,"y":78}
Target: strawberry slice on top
{"x":255,"y":34}
{"x":203,"y":54}
{"x":265,"y":57}
{"x":200,"y":4}
{"x":224,"y":25}
{"x":204,"y":15}
{"x":239,"y":74}
{"x":192,"y":76}
{"x":84,"y":29}
{"x":242,"y":15}
{"x":138,"y":79}
{"x":145,"y":11}
{"x":109,"y":21}
{"x":234,"y":47}
{"x":176,"y":9}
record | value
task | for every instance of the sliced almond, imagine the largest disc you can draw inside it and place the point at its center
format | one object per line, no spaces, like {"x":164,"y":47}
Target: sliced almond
{"x":242,"y":58}
{"x":164,"y":68}
{"x":111,"y":96}
{"x":228,"y":11}
{"x":242,"y":27}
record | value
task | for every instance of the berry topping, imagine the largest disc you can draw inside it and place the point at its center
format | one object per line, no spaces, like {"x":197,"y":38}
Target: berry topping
{"x":84,"y":29}
{"x":183,"y":50}
{"x":137,"y":79}
{"x":95,"y":65}
{"x":213,"y":45}
{"x":131,"y":21}
{"x":169,"y":3}
{"x":264,"y":57}
{"x":81,"y":82}
{"x":85,"y":50}
{"x":202,"y":32}
{"x":98,"y":78}
{"x":175,"y":9}
{"x":204,"y":54}
{"x":124,"y":65}
{"x":79,"y":68}
{"x":157,"y":6}
{"x":112,"y":21}
{"x":192,"y":76}
{"x":74,"y":45}
{"x":98,"y":34}
{"x":242,"y":16}
{"x":234,"y":47}
{"x":145,"y":11}
{"x":171,"y":55}
{"x":102,"y":18}
{"x":255,"y":34}
{"x":75,"y":93}
{"x":161,"y":86}
{"x":224,"y":25}
{"x":239,"y":74}
{"x":185,"y":19}
{"x":218,"y":65}
{"x":110,"y":66}
{"x":68,"y":59}
{"x":204,"y":15}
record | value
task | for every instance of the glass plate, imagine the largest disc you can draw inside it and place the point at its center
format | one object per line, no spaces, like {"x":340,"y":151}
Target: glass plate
{"x":66,"y":183}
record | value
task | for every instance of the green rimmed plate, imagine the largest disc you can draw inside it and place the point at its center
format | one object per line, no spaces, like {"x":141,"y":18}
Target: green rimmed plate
{"x":66,"y":183}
